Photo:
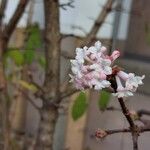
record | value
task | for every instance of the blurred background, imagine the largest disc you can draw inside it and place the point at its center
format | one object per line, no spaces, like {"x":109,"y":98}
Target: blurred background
{"x":125,"y":28}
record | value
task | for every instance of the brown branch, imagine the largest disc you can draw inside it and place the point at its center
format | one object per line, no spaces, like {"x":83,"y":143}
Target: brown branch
{"x":98,"y":23}
{"x":126,"y":113}
{"x":30,"y":100}
{"x":117,"y":131}
{"x":52,"y":48}
{"x":143,"y":112}
{"x":2,"y":9}
{"x":133,"y":127}
{"x":79,"y":28}
{"x":103,"y":133}
{"x":112,"y":108}
{"x":63,"y":36}
{"x":69,"y":93}
{"x":68,"y":4}
{"x":25,"y":94}
{"x":15,"y":18}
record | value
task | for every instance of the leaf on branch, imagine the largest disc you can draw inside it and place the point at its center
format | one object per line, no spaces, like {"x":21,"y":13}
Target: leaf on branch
{"x":16,"y":56}
{"x":33,"y":42}
{"x":29,"y":56}
{"x":79,"y":106}
{"x":28,"y":86}
{"x":103,"y":100}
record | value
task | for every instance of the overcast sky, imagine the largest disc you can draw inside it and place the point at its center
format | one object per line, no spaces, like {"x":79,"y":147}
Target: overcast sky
{"x":83,"y":15}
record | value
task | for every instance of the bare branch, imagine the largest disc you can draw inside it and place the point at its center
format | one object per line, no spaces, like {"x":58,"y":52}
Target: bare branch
{"x":79,"y":28}
{"x":15,"y":18}
{"x":126,"y":112}
{"x":99,"y":21}
{"x":30,"y":100}
{"x":143,"y":112}
{"x":2,"y":9}
{"x":25,"y":94}
{"x":133,"y":127}
{"x":69,"y":93}
{"x":100,"y":133}
{"x":112,"y":108}
{"x":63,"y":36}
{"x":52,"y":49}
{"x":68,"y":4}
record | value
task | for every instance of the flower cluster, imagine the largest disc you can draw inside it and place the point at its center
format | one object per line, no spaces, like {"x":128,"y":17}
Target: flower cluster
{"x":92,"y":66}
{"x":131,"y":83}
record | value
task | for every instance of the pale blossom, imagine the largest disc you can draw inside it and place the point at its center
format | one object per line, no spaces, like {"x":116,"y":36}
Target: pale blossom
{"x":98,"y":45}
{"x":115,"y":54}
{"x":123,"y":93}
{"x":92,"y":68}
{"x":131,"y":83}
{"x":80,"y":55}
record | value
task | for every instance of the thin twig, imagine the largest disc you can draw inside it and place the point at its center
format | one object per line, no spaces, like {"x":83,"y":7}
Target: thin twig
{"x":29,"y":99}
{"x":15,"y":18}
{"x":143,"y":112}
{"x":68,"y":4}
{"x":117,"y":131}
{"x":98,"y":23}
{"x":133,"y":127}
{"x":2,"y":9}
{"x":126,"y":112}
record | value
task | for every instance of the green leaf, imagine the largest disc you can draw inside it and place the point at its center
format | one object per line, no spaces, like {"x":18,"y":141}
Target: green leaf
{"x":29,"y":56}
{"x":28,"y":86}
{"x":16,"y":56}
{"x":79,"y":106}
{"x":34,"y":40}
{"x":104,"y":100}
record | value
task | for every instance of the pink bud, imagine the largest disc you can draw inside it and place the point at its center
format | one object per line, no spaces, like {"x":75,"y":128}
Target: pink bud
{"x":123,"y":75}
{"x":92,"y":56}
{"x":89,"y":76}
{"x":119,"y":84}
{"x":84,"y":69}
{"x":103,"y":49}
{"x":102,"y":76}
{"x":115,"y":55}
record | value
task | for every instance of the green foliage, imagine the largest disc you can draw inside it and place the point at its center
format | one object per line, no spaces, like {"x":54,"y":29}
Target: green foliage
{"x":103,"y":100}
{"x":29,"y":56}
{"x":34,"y":39}
{"x":16,"y":56}
{"x":33,"y":42}
{"x":79,"y":106}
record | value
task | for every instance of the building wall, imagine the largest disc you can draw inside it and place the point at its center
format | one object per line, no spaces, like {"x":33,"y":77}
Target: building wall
{"x":138,"y":40}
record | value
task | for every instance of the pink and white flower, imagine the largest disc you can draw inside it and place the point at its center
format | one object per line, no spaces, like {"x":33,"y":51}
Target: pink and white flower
{"x":121,"y":91}
{"x":131,"y":83}
{"x":92,"y":66}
